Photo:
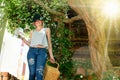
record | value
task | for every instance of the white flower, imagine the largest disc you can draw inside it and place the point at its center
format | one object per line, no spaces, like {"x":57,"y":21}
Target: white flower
{"x":19,"y":32}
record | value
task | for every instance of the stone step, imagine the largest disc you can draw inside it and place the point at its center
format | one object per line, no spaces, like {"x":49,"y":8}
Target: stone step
{"x":7,"y":76}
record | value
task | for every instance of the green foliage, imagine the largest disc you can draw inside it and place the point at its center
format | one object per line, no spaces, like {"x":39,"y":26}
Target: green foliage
{"x":1,"y":1}
{"x":79,"y":77}
{"x":59,"y":5}
{"x":20,"y":13}
{"x":85,"y":63}
{"x":109,"y":75}
{"x":94,"y":76}
{"x":61,"y":49}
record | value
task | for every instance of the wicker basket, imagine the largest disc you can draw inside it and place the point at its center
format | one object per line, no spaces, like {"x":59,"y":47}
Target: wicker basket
{"x":51,"y":73}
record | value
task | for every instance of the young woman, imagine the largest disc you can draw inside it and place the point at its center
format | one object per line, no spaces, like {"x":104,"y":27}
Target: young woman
{"x":40,"y":41}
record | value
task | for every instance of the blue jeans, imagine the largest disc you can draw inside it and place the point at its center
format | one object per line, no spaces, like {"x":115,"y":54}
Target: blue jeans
{"x":36,"y":62}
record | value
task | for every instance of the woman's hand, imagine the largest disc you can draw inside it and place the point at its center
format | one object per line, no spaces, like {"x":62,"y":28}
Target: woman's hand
{"x":52,"y":60}
{"x":20,"y":35}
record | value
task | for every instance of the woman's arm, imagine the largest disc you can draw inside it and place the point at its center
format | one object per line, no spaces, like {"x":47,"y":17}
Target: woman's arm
{"x":25,"y":41}
{"x":48,"y":32}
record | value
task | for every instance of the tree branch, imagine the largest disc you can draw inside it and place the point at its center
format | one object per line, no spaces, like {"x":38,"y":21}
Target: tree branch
{"x":57,"y":13}
{"x":73,"y":19}
{"x":48,"y":9}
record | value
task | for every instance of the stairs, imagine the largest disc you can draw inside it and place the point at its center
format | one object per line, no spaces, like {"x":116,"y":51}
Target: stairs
{"x":114,"y":51}
{"x":7,"y":76}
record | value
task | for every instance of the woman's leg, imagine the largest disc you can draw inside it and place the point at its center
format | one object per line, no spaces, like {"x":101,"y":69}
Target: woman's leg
{"x":41,"y":60}
{"x":31,"y":57}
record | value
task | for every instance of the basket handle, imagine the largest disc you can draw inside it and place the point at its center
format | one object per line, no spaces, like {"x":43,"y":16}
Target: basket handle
{"x":55,"y":63}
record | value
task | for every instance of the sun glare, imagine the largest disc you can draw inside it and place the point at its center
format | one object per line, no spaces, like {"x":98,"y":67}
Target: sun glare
{"x":110,"y":9}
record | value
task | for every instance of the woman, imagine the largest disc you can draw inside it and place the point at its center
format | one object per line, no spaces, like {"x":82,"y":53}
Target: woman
{"x":40,"y":40}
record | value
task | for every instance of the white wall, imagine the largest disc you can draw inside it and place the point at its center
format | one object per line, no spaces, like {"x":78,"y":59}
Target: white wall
{"x":13,"y":53}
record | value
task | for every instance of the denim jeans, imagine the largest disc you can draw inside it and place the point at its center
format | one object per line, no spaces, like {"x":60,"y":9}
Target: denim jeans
{"x":36,"y":62}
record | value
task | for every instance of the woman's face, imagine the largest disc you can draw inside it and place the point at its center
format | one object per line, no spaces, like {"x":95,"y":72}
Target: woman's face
{"x":37,"y":23}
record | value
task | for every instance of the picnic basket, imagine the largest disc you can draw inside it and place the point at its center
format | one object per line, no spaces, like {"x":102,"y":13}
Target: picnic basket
{"x":51,"y":72}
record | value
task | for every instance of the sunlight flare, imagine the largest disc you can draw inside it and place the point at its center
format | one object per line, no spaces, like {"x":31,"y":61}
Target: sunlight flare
{"x":111,"y":9}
